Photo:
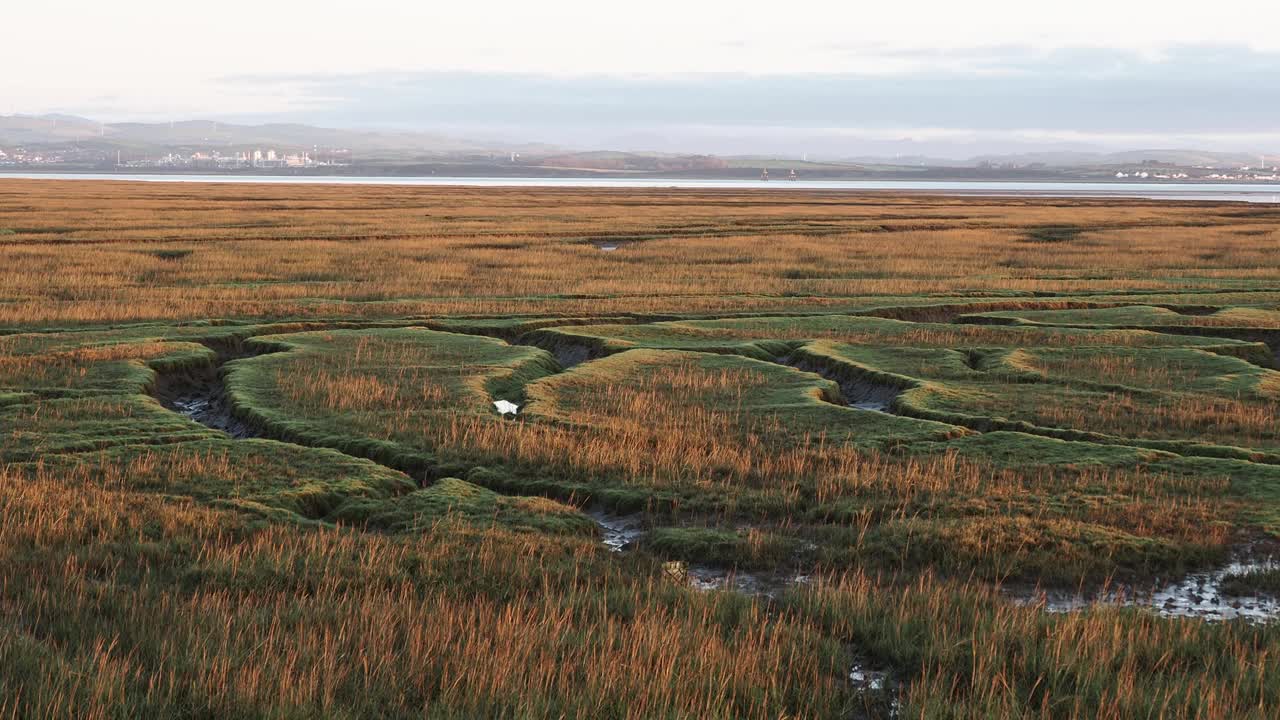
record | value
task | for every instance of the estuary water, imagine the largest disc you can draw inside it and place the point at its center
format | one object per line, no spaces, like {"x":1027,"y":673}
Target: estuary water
{"x":1234,"y":192}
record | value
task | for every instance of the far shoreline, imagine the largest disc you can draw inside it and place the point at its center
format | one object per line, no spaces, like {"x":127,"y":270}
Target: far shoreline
{"x":1174,"y":191}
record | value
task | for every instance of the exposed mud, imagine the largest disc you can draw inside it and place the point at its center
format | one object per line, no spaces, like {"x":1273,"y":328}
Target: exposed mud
{"x":567,"y":354}
{"x":1198,"y":595}
{"x":571,"y":355}
{"x":865,"y":395}
{"x":206,"y":404}
{"x":859,"y":393}
{"x":201,"y":394}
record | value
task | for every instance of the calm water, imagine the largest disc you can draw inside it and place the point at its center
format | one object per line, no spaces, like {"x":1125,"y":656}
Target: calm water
{"x":1162,"y":191}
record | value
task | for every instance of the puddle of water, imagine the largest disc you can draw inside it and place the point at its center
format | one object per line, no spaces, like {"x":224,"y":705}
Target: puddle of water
{"x":1198,"y":595}
{"x":865,"y":678}
{"x":611,"y":245}
{"x":618,"y":531}
{"x":872,"y":681}
{"x":871,"y":405}
{"x":707,"y":579}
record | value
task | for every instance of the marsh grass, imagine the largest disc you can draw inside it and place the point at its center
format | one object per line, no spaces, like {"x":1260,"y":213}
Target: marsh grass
{"x":411,"y":554}
{"x":1253,"y":582}
{"x":691,"y":433}
{"x":500,"y":623}
{"x":738,"y":335}
{"x":494,"y":623}
{"x":104,"y":254}
{"x":1171,"y":398}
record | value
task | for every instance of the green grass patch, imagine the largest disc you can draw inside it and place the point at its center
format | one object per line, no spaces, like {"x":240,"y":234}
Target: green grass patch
{"x":1054,"y":233}
{"x":1253,"y":582}
{"x":1181,"y":400}
{"x":746,"y":550}
{"x":172,"y":253}
{"x":451,"y":498}
{"x":766,"y":337}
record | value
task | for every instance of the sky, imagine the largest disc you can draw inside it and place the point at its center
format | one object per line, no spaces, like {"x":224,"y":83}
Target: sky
{"x":815,"y":76}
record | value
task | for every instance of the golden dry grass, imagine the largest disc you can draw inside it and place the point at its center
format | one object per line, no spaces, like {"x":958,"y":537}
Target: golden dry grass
{"x":385,"y":641}
{"x":142,"y":605}
{"x":113,"y":252}
{"x":149,"y":568}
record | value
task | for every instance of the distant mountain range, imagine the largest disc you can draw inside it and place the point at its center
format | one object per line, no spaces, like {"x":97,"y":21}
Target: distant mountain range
{"x":1184,"y":158}
{"x":410,"y":146}
{"x":1082,"y":159}
{"x":46,"y":129}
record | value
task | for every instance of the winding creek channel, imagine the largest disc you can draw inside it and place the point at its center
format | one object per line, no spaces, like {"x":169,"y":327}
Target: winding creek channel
{"x":201,"y":395}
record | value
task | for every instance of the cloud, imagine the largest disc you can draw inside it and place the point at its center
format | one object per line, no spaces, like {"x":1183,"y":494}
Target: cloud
{"x":947,"y":101}
{"x":1186,"y":90}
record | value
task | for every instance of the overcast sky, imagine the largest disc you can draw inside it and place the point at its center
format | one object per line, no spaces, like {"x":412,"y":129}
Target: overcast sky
{"x":847,"y":76}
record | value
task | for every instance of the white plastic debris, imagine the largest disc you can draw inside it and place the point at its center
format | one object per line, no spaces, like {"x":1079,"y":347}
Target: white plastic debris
{"x":506,"y":407}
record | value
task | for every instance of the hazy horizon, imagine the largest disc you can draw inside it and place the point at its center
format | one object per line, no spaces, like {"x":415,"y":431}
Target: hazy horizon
{"x":822,"y":78}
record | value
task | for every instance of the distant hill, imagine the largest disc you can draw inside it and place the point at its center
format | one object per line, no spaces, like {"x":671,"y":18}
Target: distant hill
{"x":32,"y":129}
{"x":398,"y":148}
{"x":633,"y":162}
{"x":207,"y":133}
{"x":27,"y":129}
{"x":1183,"y":158}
